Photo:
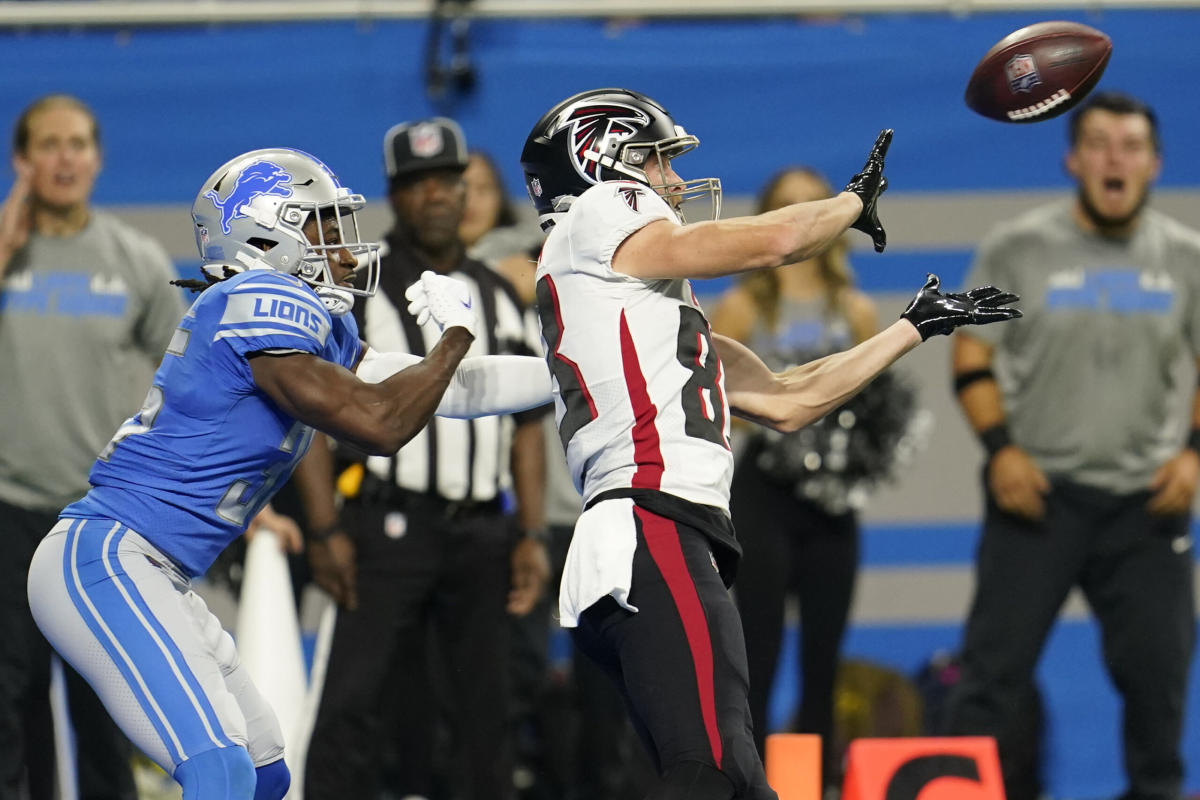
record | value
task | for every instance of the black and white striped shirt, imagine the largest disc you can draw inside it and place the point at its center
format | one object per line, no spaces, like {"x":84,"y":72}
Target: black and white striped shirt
{"x":451,"y":458}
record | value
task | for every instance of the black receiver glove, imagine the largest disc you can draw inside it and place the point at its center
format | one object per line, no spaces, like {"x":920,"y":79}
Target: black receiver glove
{"x":868,"y":185}
{"x":933,"y":312}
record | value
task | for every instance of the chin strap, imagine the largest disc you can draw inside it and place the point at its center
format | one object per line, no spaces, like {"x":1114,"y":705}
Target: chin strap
{"x":336,"y":301}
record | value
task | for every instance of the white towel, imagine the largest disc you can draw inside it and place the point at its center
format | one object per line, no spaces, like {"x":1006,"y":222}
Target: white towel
{"x":600,"y":559}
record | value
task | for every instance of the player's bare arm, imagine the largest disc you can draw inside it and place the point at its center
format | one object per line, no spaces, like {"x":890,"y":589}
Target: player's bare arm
{"x":375,"y":417}
{"x":787,"y":401}
{"x":791,"y":399}
{"x":663,"y":249}
{"x":783,"y":236}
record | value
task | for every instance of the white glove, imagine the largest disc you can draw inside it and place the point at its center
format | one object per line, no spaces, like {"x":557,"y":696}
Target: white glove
{"x":445,"y":300}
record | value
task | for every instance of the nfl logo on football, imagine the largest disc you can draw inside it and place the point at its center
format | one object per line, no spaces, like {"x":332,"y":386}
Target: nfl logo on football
{"x":1022,"y":73}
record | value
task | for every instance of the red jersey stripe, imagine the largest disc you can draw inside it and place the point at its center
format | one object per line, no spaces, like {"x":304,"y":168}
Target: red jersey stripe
{"x":647,"y":453}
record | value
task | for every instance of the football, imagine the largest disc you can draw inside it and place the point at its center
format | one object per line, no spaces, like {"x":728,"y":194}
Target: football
{"x":1038,"y":72}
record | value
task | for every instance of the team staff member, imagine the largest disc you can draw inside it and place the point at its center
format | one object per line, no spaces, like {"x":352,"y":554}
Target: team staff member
{"x":426,"y":543}
{"x":1087,"y":482}
{"x":86,"y":309}
{"x":640,"y":384}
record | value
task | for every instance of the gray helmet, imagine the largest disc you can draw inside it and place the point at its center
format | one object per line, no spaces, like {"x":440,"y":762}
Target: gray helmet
{"x":250,"y":214}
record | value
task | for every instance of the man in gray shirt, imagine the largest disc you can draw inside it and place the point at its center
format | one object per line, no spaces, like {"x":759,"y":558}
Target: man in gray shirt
{"x":1088,"y":410}
{"x":86,"y":310}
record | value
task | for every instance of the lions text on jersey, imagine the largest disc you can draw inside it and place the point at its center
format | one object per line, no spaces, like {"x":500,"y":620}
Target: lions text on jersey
{"x":639,"y":390}
{"x":207,"y":449}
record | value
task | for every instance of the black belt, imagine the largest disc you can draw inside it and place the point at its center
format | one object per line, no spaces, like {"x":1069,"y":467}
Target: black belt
{"x":378,"y":492}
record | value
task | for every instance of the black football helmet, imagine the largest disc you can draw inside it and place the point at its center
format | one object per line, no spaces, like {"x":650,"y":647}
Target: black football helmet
{"x":606,"y":135}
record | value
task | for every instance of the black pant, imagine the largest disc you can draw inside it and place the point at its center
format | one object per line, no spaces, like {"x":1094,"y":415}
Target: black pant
{"x":680,"y":663}
{"x":793,"y":546}
{"x":574,"y":733}
{"x":26,"y":729}
{"x":1135,"y":569}
{"x":421,"y":572}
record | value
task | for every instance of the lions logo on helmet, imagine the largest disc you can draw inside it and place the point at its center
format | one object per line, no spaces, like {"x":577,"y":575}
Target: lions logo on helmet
{"x":259,"y":178}
{"x":252,"y":212}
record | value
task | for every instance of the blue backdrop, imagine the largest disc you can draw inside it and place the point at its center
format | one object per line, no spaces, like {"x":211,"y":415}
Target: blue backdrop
{"x":176,"y":102}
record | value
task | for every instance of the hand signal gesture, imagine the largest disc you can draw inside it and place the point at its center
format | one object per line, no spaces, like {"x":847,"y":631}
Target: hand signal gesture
{"x":444,"y":300}
{"x":16,"y":218}
{"x":868,"y":185}
{"x":932,"y":312}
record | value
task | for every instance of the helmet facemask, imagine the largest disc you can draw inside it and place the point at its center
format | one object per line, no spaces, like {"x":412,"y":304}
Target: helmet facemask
{"x":315,"y":259}
{"x":634,"y":158}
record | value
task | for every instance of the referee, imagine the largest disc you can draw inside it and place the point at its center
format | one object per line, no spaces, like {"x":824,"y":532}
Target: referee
{"x":424,"y":550}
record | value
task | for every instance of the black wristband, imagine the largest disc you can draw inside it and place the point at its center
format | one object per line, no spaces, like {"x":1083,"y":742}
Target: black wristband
{"x":965,"y":379}
{"x":324,"y":532}
{"x":1193,"y":440}
{"x":995,"y":439}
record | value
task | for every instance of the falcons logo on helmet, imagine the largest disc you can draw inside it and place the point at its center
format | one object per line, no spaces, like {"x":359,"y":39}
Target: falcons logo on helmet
{"x":592,"y":125}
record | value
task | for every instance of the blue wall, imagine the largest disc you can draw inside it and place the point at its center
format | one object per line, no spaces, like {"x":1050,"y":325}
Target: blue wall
{"x":176,"y":102}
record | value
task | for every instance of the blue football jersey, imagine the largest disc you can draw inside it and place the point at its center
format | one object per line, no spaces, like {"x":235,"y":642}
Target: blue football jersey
{"x":207,"y":450}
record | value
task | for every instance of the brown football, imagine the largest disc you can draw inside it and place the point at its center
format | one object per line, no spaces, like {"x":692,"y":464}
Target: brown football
{"x":1038,"y":72}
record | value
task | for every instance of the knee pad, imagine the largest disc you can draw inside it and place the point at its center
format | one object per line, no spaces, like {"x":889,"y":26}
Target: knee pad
{"x":273,"y":781}
{"x":218,"y":774}
{"x":693,"y":780}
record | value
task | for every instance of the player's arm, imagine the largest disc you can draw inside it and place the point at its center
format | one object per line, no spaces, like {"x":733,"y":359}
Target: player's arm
{"x":375,"y":417}
{"x":792,"y":399}
{"x":797,"y":232}
{"x":793,"y":233}
{"x":481,"y":386}
{"x":789,"y":400}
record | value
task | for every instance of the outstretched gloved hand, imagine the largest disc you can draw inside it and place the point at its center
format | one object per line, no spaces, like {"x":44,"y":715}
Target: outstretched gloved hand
{"x":445,"y":300}
{"x":868,"y":185}
{"x":932,"y":312}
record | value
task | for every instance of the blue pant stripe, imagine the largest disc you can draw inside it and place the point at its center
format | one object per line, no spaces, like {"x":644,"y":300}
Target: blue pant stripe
{"x":199,"y":698}
{"x":118,"y":655}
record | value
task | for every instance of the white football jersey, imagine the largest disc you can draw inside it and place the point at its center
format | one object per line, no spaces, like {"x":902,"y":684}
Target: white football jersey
{"x":639,"y":389}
